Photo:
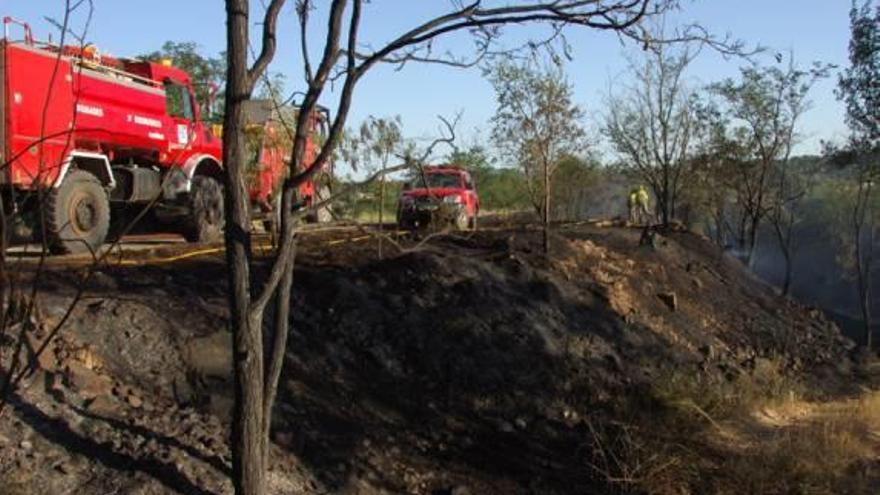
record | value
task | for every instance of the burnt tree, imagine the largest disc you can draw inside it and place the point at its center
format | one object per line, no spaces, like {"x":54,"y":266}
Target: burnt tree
{"x":343,"y":58}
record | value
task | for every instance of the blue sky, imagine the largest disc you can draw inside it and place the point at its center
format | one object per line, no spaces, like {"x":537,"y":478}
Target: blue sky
{"x":814,"y":29}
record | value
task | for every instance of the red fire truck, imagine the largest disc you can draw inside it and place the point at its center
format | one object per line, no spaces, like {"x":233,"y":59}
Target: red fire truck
{"x":83,"y":135}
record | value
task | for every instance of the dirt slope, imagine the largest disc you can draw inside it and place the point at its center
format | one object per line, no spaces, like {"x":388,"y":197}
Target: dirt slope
{"x":469,"y":365}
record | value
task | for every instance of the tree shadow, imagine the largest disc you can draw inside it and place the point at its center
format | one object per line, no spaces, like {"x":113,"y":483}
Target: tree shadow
{"x":396,"y":367}
{"x":216,"y":462}
{"x":57,"y":431}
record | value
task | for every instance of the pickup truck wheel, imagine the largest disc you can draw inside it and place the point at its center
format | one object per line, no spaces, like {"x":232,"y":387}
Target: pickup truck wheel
{"x":472,"y":223}
{"x":77,"y":214}
{"x":206,"y":211}
{"x":462,"y":221}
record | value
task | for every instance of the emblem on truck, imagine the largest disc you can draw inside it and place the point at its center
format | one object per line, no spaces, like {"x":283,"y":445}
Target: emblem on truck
{"x":90,"y":110}
{"x":182,"y":133}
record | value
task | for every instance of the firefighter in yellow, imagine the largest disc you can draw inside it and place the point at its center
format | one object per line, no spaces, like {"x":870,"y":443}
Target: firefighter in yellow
{"x":638,"y":203}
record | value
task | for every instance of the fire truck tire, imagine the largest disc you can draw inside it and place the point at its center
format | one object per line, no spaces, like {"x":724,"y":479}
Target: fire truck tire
{"x":77,"y":214}
{"x":206,"y":211}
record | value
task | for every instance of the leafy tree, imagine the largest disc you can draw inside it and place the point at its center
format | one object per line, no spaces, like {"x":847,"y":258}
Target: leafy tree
{"x":716,"y":172}
{"x":572,"y":188}
{"x":652,"y":124}
{"x":272,"y":86}
{"x":858,"y":88}
{"x":499,"y":188}
{"x":373,"y":146}
{"x":761,"y":112}
{"x":792,"y":184}
{"x":536,"y":124}
{"x":474,"y":159}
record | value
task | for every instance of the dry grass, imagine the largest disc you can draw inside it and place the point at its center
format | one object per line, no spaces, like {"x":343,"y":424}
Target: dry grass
{"x":718,"y":397}
{"x":755,"y":434}
{"x":808,"y":448}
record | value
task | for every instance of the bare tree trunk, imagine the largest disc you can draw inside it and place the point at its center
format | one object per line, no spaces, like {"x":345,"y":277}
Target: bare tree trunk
{"x":666,"y":196}
{"x":381,"y":207}
{"x":864,"y":284}
{"x":277,"y":352}
{"x":863,"y":261}
{"x":546,"y":219}
{"x":247,"y":424}
{"x":783,"y":227}
{"x":865,"y":303}
{"x":248,"y":430}
{"x":786,"y":283}
{"x":754,"y":224}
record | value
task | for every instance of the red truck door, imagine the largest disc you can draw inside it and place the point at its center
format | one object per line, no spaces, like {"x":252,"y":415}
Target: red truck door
{"x":181,"y":109}
{"x":472,"y":201}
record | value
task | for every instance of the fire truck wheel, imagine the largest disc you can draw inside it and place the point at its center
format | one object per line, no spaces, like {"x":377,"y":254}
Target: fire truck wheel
{"x":77,"y":214}
{"x":206,"y":211}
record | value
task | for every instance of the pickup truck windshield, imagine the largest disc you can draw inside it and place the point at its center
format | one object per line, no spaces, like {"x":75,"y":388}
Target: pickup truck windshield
{"x":440,"y":180}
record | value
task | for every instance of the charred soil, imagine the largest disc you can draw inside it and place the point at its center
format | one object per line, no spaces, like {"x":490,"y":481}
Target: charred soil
{"x":466,"y":364}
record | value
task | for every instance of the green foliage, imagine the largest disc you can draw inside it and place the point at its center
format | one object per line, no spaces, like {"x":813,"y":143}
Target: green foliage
{"x":765,"y":103}
{"x":475,"y":159}
{"x":857,"y":86}
{"x":859,"y":90}
{"x":272,"y":86}
{"x":364,"y":204}
{"x":572,"y":187}
{"x":371,"y":148}
{"x":536,"y":122}
{"x":505,"y":188}
{"x":752,"y":129}
{"x":500,"y":189}
{"x":834,"y":197}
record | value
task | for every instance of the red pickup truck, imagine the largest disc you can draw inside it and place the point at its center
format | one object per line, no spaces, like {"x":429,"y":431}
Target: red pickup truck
{"x":439,"y":195}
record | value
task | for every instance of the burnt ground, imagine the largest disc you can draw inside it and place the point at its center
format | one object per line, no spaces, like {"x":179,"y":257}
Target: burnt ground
{"x":467,"y":364}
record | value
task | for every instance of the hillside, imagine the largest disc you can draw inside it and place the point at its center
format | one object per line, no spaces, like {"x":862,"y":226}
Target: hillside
{"x":465,"y":365}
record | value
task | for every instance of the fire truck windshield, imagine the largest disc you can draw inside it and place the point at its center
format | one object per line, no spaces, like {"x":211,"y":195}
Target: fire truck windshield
{"x":178,"y":101}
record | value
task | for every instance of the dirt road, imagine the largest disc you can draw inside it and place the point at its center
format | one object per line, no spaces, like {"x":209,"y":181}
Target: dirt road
{"x":144,"y":249}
